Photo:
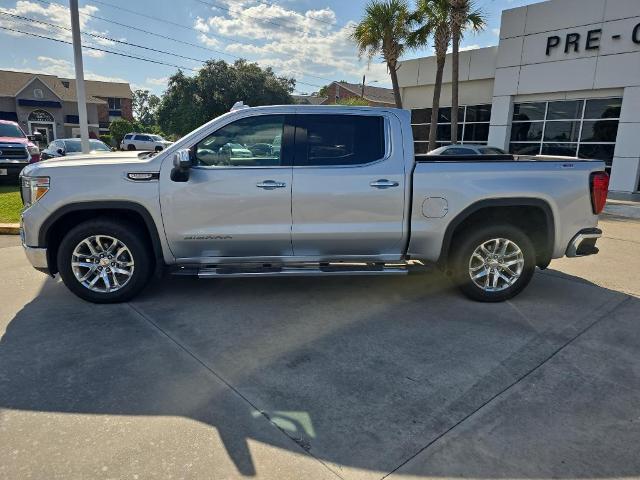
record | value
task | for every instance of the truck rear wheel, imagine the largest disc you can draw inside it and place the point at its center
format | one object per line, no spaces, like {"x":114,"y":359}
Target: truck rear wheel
{"x":105,"y":261}
{"x":493,"y":264}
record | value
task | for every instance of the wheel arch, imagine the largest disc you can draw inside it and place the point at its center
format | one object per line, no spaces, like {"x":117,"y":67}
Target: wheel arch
{"x":517,"y":210}
{"x":66,"y":217}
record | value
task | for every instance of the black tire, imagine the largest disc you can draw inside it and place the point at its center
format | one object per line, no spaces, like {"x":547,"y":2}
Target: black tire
{"x":158,"y":149}
{"x":470,"y":240}
{"x":131,"y":147}
{"x":128,"y":234}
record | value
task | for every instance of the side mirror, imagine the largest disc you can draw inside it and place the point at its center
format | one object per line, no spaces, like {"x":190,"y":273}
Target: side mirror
{"x":181,"y":165}
{"x":60,"y":151}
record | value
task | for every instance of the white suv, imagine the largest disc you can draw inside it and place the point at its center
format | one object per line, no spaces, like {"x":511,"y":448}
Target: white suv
{"x":143,"y":141}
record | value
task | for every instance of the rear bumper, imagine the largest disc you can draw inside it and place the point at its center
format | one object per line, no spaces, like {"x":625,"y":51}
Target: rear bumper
{"x":584,"y":243}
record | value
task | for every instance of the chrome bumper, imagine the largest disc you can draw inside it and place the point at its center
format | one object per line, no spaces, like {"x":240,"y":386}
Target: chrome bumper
{"x":584,"y":243}
{"x":37,"y":257}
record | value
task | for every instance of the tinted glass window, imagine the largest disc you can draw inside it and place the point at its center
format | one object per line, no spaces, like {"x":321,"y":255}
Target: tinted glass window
{"x":143,"y":138}
{"x":562,"y":131}
{"x":560,"y":149}
{"x":476,"y":132}
{"x":420,"y":132}
{"x":342,"y":139}
{"x":603,"y":108}
{"x":249,"y":142}
{"x":528,"y":111}
{"x":479,"y":113}
{"x":525,"y":148}
{"x":459,"y":151}
{"x":565,"y":110}
{"x":421,"y":115}
{"x":491,"y":151}
{"x":598,"y":152}
{"x":600,"y":131}
{"x":526,"y":131}
{"x":421,"y":148}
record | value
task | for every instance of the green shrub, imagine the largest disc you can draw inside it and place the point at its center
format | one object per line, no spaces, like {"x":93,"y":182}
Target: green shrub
{"x":108,"y":139}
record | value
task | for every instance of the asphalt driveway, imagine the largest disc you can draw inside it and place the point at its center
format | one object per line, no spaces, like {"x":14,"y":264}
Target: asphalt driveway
{"x":325,"y":377}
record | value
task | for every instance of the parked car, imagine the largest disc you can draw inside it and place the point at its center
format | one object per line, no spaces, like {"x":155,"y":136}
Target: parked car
{"x":72,"y":146}
{"x":467,"y":149}
{"x":17,"y":150}
{"x":345,"y":196}
{"x":144,"y":141}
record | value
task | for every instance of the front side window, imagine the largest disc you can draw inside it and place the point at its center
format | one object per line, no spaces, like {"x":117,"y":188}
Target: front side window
{"x":143,"y":138}
{"x":342,"y":140}
{"x":248,"y":142}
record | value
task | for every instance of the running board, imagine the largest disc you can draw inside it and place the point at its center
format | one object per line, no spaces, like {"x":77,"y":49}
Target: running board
{"x":295,"y":271}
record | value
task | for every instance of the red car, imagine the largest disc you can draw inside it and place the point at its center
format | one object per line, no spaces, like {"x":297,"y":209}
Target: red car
{"x":17,"y":149}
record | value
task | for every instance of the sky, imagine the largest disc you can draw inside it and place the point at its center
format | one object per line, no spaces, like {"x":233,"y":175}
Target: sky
{"x":304,"y":39}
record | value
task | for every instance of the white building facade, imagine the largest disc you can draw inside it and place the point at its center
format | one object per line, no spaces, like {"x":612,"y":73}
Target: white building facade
{"x":564,"y":80}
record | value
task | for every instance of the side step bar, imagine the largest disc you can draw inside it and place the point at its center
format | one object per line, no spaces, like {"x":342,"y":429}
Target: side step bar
{"x":300,"y":271}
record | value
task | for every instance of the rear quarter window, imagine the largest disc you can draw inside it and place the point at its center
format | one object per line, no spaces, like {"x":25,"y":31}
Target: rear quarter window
{"x":342,"y":140}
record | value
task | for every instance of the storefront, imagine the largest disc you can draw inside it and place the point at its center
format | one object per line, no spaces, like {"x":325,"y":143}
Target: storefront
{"x":564,"y":80}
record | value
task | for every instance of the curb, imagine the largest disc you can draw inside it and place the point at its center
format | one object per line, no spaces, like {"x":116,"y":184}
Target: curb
{"x":622,"y":209}
{"x":9,"y":229}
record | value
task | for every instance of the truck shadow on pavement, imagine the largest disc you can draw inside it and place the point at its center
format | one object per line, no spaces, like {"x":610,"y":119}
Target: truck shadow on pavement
{"x":384,"y":375}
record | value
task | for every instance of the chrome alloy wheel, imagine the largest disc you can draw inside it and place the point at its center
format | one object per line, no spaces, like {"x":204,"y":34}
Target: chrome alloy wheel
{"x":102,"y":263}
{"x":496,"y":265}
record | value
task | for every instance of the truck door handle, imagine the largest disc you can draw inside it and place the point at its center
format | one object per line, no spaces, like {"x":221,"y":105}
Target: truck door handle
{"x":271,"y":184}
{"x":384,"y":183}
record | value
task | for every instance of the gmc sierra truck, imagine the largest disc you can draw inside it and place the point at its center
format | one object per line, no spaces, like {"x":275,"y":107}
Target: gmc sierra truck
{"x":315,"y":191}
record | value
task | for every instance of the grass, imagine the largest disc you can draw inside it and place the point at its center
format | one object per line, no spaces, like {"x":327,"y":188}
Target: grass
{"x":10,"y":204}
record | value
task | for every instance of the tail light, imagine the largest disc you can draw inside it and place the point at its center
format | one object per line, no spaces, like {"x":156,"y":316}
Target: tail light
{"x":599,"y":191}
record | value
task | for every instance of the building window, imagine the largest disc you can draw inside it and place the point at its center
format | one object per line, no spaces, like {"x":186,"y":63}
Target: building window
{"x":114,"y":103}
{"x":473,"y":126}
{"x":574,"y":128}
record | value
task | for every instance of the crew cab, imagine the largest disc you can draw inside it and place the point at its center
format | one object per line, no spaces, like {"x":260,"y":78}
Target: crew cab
{"x":340,"y":193}
{"x":17,"y":149}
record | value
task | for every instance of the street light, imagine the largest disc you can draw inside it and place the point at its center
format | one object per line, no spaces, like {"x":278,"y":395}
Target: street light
{"x":364,"y":81}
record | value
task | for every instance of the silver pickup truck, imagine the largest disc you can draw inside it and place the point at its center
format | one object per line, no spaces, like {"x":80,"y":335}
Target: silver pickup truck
{"x":306,"y":190}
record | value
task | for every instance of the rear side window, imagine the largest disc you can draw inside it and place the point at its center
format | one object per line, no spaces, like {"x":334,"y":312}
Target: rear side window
{"x":143,"y":138}
{"x":341,"y":140}
{"x":128,"y":136}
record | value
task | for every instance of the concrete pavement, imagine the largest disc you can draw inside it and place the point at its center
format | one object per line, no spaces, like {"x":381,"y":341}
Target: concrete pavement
{"x":325,"y":378}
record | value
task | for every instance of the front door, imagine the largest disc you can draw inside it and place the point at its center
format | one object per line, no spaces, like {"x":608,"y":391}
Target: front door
{"x":46,"y":133}
{"x":348,"y":191}
{"x":237,"y":201}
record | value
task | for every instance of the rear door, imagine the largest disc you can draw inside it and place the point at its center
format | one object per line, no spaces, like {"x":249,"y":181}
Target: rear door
{"x":348,"y":191}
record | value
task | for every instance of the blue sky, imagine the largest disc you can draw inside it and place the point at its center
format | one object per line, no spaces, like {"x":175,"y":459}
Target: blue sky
{"x":305,"y":39}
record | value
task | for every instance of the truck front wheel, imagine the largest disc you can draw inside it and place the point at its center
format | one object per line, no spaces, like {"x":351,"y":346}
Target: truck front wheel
{"x":493,"y":264}
{"x":105,"y":261}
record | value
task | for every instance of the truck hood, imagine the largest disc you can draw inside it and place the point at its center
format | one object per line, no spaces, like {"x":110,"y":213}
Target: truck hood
{"x":143,"y":161}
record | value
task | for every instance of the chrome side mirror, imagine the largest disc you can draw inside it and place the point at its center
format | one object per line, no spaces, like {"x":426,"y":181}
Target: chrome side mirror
{"x":181,"y":165}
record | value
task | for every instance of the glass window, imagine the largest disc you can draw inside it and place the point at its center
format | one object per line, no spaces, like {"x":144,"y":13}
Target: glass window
{"x":249,"y":142}
{"x":476,"y":132}
{"x":343,"y":139}
{"x":560,"y":149}
{"x":444,"y":115}
{"x":420,"y":133}
{"x":526,"y":131}
{"x":421,"y":115}
{"x":458,"y":151}
{"x":114,"y":103}
{"x":562,"y":131}
{"x":491,"y":151}
{"x":478,"y":113}
{"x":128,"y":136}
{"x":603,"y":108}
{"x":10,"y":130}
{"x":421,"y":148}
{"x":565,"y":110}
{"x":525,"y":148}
{"x":529,"y":111}
{"x":599,"y":152}
{"x":600,"y":131}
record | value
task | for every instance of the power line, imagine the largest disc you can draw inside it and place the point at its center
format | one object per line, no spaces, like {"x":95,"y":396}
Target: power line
{"x":304,"y":74}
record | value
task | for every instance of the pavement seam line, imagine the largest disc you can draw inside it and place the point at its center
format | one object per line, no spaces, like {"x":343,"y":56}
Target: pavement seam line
{"x":513,"y":384}
{"x":226,"y":383}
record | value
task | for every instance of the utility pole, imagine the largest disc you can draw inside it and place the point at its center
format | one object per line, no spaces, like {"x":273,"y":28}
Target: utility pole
{"x":80,"y":90}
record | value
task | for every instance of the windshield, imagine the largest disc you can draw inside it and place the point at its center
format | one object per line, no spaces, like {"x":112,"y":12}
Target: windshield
{"x":74,"y":146}
{"x":10,"y":130}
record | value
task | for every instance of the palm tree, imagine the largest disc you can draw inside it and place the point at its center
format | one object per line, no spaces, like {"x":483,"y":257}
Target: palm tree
{"x":383,"y":31}
{"x":434,"y":20}
{"x":464,"y":16}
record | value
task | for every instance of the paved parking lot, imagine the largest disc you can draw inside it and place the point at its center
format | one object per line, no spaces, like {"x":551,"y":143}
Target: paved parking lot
{"x":320,"y":378}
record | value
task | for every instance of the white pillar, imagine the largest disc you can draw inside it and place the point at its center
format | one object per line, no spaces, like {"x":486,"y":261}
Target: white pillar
{"x":499,"y":128}
{"x":80,"y":90}
{"x":626,"y":161}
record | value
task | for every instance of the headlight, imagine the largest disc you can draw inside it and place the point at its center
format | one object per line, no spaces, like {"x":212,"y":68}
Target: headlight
{"x":33,"y":189}
{"x":33,"y":150}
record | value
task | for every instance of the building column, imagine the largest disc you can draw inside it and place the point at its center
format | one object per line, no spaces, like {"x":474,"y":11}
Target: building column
{"x":500,"y":126}
{"x":626,"y":161}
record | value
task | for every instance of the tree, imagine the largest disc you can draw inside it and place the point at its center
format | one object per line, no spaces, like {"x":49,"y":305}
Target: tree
{"x":189,"y":102}
{"x":145,"y":105}
{"x":119,"y":128}
{"x":353,"y":102}
{"x":464,"y":16}
{"x":433,"y":20}
{"x":383,"y":31}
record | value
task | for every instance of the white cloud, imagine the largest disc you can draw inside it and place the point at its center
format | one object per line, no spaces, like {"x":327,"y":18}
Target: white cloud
{"x":291,"y":42}
{"x":64,"y":68}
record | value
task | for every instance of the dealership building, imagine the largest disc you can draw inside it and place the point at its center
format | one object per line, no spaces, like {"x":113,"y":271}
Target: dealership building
{"x":563,"y":80}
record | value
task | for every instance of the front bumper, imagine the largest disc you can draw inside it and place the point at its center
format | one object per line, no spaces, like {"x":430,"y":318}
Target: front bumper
{"x":37,"y":256}
{"x":584,"y":243}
